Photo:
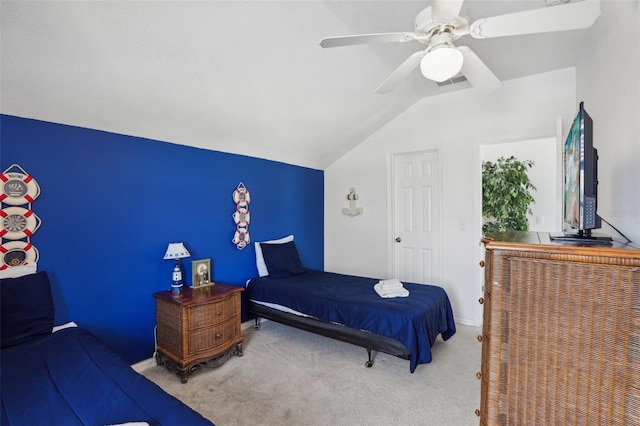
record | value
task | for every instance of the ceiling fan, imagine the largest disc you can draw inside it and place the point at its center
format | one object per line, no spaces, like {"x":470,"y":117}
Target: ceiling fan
{"x":439,"y":25}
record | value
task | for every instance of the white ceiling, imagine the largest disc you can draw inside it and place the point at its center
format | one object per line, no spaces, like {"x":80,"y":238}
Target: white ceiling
{"x":245,"y":77}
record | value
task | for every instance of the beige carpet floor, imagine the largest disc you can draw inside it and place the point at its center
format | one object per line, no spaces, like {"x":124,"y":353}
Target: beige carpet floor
{"x":292,"y":377}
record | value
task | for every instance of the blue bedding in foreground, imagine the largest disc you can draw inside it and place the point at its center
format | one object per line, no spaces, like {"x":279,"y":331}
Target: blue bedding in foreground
{"x":415,"y":321}
{"x":71,"y":378}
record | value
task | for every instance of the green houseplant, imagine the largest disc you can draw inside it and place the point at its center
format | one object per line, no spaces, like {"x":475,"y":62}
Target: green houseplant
{"x":506,"y":195}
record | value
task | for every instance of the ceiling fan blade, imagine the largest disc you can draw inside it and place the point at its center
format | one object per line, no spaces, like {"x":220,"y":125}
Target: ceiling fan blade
{"x":568,"y":16}
{"x":445,"y":10}
{"x":366,"y":39}
{"x":401,"y":72}
{"x":478,"y":74}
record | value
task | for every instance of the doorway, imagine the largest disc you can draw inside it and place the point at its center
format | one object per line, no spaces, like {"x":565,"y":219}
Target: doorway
{"x":545,"y":176}
{"x":416,"y":221}
{"x":547,"y":212}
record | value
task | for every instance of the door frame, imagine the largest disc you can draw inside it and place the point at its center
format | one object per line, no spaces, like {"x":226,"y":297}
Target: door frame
{"x":391,"y":155}
{"x":478,"y":312}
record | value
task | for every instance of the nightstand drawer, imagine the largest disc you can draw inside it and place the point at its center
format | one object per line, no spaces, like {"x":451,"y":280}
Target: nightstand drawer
{"x":207,"y":315}
{"x":208,"y":338}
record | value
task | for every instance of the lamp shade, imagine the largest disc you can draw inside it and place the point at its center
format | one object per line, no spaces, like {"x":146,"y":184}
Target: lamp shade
{"x":441,"y":63}
{"x":176,"y":251}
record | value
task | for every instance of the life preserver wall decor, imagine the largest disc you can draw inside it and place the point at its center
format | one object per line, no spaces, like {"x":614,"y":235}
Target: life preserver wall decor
{"x":16,"y":253}
{"x":19,"y":221}
{"x":18,"y":188}
{"x":241,"y":216}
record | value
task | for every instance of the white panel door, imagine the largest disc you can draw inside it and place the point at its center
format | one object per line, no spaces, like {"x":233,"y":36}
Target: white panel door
{"x":416,"y":222}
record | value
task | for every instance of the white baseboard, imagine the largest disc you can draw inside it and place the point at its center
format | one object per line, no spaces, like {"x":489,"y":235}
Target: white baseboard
{"x":466,"y":321}
{"x":145,"y":364}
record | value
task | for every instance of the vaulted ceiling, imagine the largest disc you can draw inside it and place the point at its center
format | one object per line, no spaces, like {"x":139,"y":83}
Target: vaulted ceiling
{"x":246,"y":77}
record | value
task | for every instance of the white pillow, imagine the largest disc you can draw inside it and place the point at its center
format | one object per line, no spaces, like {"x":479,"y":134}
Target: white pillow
{"x":262,"y":267}
{"x":70,"y":324}
{"x":19,"y":271}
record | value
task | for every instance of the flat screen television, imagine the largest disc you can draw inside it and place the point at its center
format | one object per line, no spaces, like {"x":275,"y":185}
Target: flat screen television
{"x":580,"y":159}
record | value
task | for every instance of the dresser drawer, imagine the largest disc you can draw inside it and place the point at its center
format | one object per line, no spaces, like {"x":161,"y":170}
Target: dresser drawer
{"x":208,"y":338}
{"x":213,"y":313}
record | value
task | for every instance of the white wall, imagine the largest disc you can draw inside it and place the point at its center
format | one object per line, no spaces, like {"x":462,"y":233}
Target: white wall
{"x":456,"y":124}
{"x":608,"y":81}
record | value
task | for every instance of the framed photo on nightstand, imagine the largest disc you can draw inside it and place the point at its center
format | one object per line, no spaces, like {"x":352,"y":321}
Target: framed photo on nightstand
{"x":202,"y":274}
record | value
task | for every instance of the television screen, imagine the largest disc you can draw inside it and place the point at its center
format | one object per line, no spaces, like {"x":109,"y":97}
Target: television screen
{"x":572,"y":175}
{"x":581,"y":179}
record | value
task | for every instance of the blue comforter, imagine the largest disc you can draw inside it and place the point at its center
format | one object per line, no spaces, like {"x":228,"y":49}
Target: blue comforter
{"x":71,"y":378}
{"x":415,"y":321}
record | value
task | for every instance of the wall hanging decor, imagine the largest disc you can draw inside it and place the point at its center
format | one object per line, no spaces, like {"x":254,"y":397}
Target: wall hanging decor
{"x":19,"y":221}
{"x":241,"y":216}
{"x":17,"y":253}
{"x":18,"y":187}
{"x":352,"y":210}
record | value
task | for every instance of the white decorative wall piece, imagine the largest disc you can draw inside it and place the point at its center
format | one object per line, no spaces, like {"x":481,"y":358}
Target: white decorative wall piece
{"x":241,"y":216}
{"x":19,"y":222}
{"x":352,"y":210}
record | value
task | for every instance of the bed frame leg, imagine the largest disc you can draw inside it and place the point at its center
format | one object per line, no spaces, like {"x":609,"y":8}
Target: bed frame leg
{"x":369,"y":363}
{"x":256,"y":324}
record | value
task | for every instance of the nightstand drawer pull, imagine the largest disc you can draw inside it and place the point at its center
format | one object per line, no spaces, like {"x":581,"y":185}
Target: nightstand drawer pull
{"x":481,"y":263}
{"x":479,"y":375}
{"x":481,"y":300}
{"x":477,"y":412}
{"x":479,"y":337}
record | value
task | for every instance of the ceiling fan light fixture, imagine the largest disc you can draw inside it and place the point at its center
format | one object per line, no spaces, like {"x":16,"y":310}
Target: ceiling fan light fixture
{"x":441,"y":63}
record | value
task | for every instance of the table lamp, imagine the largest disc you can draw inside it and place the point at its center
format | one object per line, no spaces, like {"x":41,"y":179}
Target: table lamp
{"x":176,"y":251}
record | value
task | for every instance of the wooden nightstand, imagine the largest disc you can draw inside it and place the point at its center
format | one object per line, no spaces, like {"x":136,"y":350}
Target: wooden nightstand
{"x":198,"y":328}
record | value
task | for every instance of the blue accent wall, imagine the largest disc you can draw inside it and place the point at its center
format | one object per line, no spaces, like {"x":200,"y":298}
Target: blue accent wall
{"x":111,"y":203}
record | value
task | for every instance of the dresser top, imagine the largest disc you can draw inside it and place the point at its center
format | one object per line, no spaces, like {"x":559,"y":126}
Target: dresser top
{"x":194,"y":296}
{"x":541,"y":241}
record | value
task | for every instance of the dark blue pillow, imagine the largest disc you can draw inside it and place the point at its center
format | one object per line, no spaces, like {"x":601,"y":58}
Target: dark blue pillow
{"x":282,"y":260}
{"x":26,"y":308}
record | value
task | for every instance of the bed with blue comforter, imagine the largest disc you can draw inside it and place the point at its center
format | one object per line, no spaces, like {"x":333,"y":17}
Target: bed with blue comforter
{"x":70,"y":377}
{"x":338,"y":305}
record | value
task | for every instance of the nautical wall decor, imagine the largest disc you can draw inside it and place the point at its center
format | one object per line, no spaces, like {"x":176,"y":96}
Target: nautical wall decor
{"x":18,"y":187}
{"x":352,"y":210}
{"x":19,"y":221}
{"x":241,"y":216}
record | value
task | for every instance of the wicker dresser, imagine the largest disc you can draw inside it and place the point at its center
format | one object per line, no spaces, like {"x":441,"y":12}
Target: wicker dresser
{"x":561,"y":334}
{"x":199,"y":327}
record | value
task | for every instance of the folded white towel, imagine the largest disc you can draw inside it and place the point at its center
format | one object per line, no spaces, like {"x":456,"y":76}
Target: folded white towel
{"x":131,"y":424}
{"x":391,"y":284}
{"x":395,"y":292}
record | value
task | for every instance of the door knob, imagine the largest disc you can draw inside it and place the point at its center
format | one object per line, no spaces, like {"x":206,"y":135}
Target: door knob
{"x":398,"y":239}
